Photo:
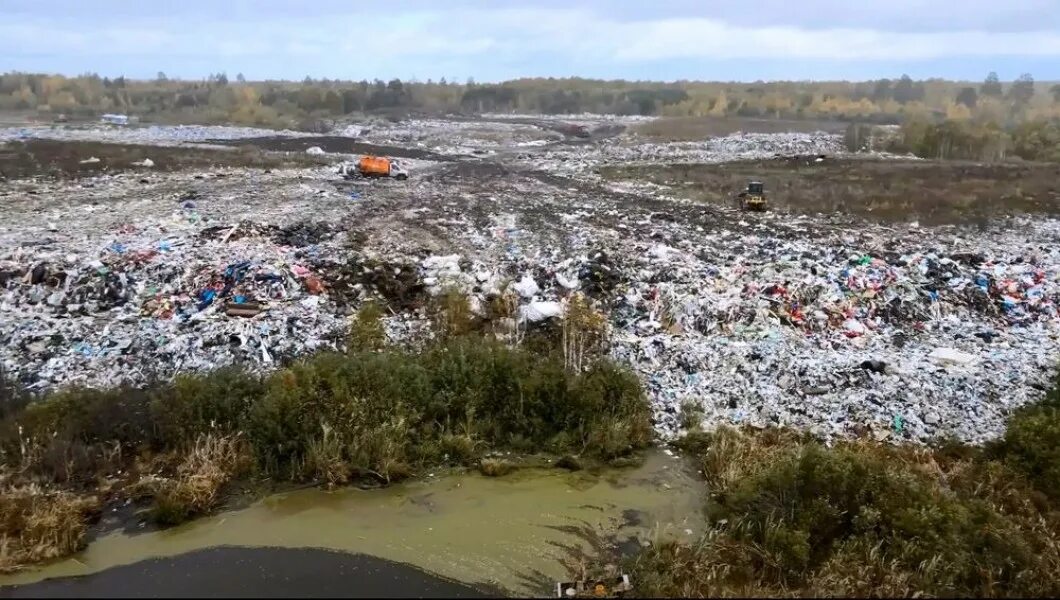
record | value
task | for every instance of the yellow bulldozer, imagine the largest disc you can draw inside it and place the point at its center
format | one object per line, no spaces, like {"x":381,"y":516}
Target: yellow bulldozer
{"x":754,"y":198}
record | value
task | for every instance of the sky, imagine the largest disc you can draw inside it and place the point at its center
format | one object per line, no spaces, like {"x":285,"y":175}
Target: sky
{"x":494,"y":40}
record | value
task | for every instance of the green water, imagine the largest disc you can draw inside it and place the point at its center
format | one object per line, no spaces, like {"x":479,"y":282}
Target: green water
{"x":518,"y":532}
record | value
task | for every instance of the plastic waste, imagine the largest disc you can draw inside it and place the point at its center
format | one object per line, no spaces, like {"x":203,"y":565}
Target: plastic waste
{"x":951,"y":356}
{"x":540,"y":310}
{"x":526,"y":287}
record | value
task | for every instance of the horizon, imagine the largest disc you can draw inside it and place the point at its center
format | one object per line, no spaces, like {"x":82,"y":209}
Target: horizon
{"x":232,"y":79}
{"x":414,"y":40}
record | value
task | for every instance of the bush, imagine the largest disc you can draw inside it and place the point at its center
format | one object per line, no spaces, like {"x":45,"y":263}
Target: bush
{"x":1031,"y":444}
{"x":367,"y":332}
{"x":193,"y":404}
{"x":791,"y":516}
{"x":378,"y":413}
{"x":952,"y":139}
{"x":385,"y":414}
{"x":330,"y":417}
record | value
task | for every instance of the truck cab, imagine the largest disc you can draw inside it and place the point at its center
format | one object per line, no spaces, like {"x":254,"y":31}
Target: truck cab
{"x":754,"y":198}
{"x":374,"y":166}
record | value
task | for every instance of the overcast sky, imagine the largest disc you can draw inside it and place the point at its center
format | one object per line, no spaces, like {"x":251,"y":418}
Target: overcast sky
{"x":493,"y":40}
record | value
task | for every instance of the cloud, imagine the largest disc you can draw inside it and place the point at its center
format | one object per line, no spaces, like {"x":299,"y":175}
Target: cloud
{"x":549,"y":37}
{"x":708,"y":38}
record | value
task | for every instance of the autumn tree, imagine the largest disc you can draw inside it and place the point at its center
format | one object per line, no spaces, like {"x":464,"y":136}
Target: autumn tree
{"x":968,"y":97}
{"x":1022,"y":90}
{"x":991,"y":87}
{"x":882,"y":91}
{"x":906,"y":91}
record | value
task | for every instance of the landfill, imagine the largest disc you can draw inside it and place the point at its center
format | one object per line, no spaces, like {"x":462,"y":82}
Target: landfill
{"x":825,"y":323}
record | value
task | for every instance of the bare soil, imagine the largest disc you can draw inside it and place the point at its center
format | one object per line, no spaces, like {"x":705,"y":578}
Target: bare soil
{"x":932,"y":192}
{"x":63,"y":159}
{"x":331,"y":143}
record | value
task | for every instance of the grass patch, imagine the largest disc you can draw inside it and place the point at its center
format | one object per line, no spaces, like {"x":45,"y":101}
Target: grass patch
{"x":790,"y":517}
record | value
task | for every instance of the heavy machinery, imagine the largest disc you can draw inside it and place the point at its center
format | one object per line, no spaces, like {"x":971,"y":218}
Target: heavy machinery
{"x":374,"y":166}
{"x":754,"y":198}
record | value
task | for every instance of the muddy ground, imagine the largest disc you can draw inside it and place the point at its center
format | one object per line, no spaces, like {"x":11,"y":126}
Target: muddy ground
{"x":928,"y":191}
{"x":60,"y":159}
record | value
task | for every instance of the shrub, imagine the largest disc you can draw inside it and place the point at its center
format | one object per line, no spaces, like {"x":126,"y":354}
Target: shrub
{"x":195,"y":403}
{"x":1031,"y":444}
{"x":367,"y":332}
{"x":451,"y":314}
{"x":330,"y":417}
{"x":789,"y":515}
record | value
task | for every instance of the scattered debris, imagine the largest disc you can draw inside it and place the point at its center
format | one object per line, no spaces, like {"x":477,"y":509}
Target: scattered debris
{"x":604,"y":587}
{"x":822,"y":323}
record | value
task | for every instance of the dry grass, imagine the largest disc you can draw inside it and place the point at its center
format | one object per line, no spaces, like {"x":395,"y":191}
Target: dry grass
{"x":584,"y":332}
{"x":212,"y":462}
{"x":729,"y":455}
{"x":38,"y":524}
{"x":495,"y":467}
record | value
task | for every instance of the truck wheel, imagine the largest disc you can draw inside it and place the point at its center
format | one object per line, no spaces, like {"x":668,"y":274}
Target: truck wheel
{"x":401,"y":177}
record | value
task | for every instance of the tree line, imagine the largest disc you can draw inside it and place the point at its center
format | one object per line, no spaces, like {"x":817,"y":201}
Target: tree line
{"x":285,"y":104}
{"x":990,"y":120}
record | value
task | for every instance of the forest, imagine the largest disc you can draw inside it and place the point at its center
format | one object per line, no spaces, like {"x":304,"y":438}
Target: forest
{"x":983,"y":120}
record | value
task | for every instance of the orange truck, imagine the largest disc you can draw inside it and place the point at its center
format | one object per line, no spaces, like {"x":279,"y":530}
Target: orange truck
{"x":375,"y":166}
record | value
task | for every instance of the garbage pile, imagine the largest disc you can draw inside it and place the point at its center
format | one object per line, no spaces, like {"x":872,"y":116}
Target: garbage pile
{"x":155,"y":135}
{"x":581,"y":160}
{"x":144,"y":305}
{"x":830,"y":339}
{"x":834,"y":339}
{"x":823,"y":323}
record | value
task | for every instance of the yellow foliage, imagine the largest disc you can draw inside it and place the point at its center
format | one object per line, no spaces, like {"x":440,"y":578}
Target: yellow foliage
{"x":62,"y":101}
{"x":990,"y":110}
{"x":720,"y":105}
{"x":51,"y":85}
{"x":246,"y":94}
{"x":957,"y":112}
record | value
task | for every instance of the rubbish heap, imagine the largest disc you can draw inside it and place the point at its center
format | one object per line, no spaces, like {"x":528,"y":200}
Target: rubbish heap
{"x":835,"y":340}
{"x":831,"y":325}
